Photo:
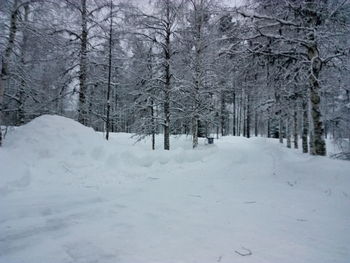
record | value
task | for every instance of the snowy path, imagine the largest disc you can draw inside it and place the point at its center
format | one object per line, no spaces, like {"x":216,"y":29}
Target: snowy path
{"x":119,"y":202}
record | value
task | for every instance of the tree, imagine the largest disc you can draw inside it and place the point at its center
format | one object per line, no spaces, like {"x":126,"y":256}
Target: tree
{"x":303,"y":31}
{"x":159,"y":28}
{"x":198,"y":78}
{"x":5,"y":59}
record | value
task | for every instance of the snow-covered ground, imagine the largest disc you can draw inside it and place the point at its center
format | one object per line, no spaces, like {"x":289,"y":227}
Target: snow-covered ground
{"x":66,"y":195}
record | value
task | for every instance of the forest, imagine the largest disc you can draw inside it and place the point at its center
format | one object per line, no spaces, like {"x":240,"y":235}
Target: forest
{"x":270,"y":68}
{"x":175,"y":131}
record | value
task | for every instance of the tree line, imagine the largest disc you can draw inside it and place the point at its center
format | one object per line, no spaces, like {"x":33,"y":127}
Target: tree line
{"x":265,"y":68}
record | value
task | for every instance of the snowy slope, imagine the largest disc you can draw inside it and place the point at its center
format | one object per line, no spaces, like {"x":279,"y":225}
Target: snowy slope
{"x":66,"y":195}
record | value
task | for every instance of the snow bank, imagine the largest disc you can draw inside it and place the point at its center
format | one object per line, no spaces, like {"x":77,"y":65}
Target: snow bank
{"x":71,"y":151}
{"x":48,"y":135}
{"x":47,"y":141}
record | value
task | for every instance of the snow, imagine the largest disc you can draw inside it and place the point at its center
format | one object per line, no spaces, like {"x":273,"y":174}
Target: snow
{"x":67,"y":195}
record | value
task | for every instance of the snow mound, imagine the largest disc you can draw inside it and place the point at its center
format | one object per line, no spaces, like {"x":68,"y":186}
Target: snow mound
{"x":59,"y":150}
{"x":47,"y":148}
{"x":49,"y":132}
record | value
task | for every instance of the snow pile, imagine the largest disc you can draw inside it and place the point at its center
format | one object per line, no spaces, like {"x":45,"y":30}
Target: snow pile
{"x":49,"y":135}
{"x":57,"y":149}
{"x":46,"y":144}
{"x":67,"y":195}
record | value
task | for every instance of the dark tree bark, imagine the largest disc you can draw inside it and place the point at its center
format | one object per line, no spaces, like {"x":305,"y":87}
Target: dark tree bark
{"x":153,"y":126}
{"x":248,"y":116}
{"x":199,"y":20}
{"x":110,"y":45}
{"x":244,"y":116}
{"x":305,"y":130}
{"x":280,"y":129}
{"x":21,"y":92}
{"x":288,"y":133}
{"x":4,"y":73}
{"x":256,"y":132}
{"x":234,"y":114}
{"x":311,"y":143}
{"x":167,"y":88}
{"x":295,"y":129}
{"x":222,"y":115}
{"x":239,"y":118}
{"x":268,"y":127}
{"x":82,"y":111}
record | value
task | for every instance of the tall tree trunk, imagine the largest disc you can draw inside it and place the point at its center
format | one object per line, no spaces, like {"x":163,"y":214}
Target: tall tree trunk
{"x":256,"y":132}
{"x":288,"y":133}
{"x":234,"y":113}
{"x":167,"y":103}
{"x":244,"y":121}
{"x":167,"y":53}
{"x":305,"y":130}
{"x":110,"y":45}
{"x":239,"y":118}
{"x":279,"y":113}
{"x":280,"y":129}
{"x":295,"y":129}
{"x":21,"y":93}
{"x":318,"y":132}
{"x":198,"y":71}
{"x":248,"y":116}
{"x":268,"y":126}
{"x":195,"y":132}
{"x":91,"y":94}
{"x":314,"y":73}
{"x":217,"y":131}
{"x":153,"y":126}
{"x":311,"y":143}
{"x":4,"y":73}
{"x":222,"y":114}
{"x":82,"y":111}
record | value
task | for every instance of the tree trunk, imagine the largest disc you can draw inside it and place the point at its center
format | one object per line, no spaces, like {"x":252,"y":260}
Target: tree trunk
{"x":305,"y":131}
{"x":110,"y":45}
{"x":288,"y":133}
{"x":198,"y":72}
{"x":318,"y":132}
{"x":234,"y":114}
{"x":295,"y":129}
{"x":280,"y":132}
{"x":167,"y":53}
{"x":256,"y":133}
{"x":167,"y":106}
{"x":194,"y":132}
{"x":4,"y":73}
{"x":248,"y":117}
{"x":21,"y":93}
{"x":222,"y":115}
{"x":244,"y":116}
{"x":312,"y":145}
{"x":314,"y":73}
{"x":217,"y":132}
{"x":239,"y":118}
{"x":91,"y":94}
{"x":153,"y":126}
{"x":82,"y":112}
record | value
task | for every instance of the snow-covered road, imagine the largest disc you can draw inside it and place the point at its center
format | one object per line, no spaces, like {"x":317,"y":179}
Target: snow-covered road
{"x":68,"y":196}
